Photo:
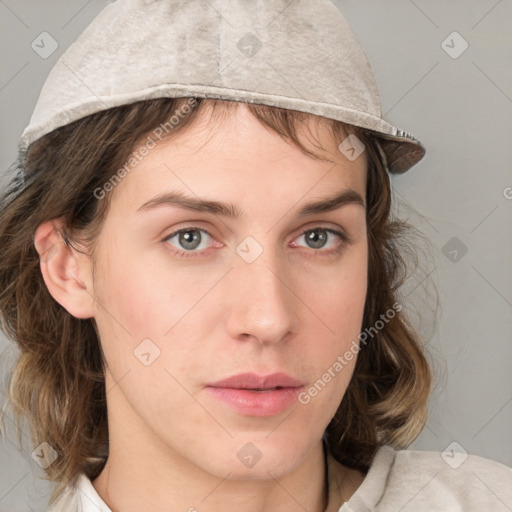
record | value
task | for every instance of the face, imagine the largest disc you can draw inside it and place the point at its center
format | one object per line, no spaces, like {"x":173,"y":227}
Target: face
{"x":186,"y":298}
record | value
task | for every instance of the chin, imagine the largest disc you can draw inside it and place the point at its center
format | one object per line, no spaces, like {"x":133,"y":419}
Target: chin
{"x":257,"y":456}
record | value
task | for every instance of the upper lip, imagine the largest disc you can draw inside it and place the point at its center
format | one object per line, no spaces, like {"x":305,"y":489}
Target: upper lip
{"x":254,"y":381}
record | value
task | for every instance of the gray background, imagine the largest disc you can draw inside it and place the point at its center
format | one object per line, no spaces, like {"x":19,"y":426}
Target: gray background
{"x":460,"y":108}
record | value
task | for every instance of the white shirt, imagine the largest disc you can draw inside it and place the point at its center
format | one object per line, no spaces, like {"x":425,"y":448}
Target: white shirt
{"x":404,"y":480}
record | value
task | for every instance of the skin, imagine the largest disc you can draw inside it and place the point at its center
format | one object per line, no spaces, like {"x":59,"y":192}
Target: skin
{"x":294,"y":309}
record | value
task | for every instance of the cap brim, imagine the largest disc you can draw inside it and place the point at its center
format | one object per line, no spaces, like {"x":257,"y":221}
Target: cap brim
{"x":402,"y":151}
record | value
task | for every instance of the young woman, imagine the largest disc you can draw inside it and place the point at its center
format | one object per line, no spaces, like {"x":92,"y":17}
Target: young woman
{"x":200,"y":268}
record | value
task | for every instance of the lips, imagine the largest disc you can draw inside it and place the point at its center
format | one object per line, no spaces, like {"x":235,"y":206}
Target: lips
{"x":250,"y":394}
{"x":252,"y":381}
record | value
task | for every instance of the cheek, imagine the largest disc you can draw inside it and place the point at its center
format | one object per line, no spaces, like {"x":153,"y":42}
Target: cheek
{"x":139,"y":293}
{"x":154,"y":307}
{"x":336,"y":295}
{"x":336,"y":301}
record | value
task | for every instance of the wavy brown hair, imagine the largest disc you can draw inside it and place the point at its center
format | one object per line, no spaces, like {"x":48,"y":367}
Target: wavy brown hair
{"x":57,"y":383}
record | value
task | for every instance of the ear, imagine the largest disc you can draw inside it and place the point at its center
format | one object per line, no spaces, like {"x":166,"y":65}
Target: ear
{"x":66,"y":272}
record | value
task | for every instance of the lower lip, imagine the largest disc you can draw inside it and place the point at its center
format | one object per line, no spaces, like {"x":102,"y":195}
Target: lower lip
{"x":257,"y":403}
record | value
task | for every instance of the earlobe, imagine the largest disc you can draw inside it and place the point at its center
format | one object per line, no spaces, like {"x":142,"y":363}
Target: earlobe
{"x":66,"y":272}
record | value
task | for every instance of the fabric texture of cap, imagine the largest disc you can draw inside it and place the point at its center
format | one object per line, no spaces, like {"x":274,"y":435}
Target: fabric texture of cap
{"x":298,"y":55}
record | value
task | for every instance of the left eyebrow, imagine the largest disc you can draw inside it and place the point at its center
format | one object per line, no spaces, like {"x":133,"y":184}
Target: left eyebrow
{"x":328,"y":204}
{"x":176,"y":198}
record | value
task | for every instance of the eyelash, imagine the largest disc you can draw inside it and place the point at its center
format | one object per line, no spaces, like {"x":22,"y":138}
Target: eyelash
{"x":345,"y":240}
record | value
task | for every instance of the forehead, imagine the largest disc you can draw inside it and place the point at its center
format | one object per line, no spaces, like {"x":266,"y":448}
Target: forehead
{"x":230,"y":153}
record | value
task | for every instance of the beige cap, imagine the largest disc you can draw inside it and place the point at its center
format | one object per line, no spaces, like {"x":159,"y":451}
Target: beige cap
{"x":294,"y":54}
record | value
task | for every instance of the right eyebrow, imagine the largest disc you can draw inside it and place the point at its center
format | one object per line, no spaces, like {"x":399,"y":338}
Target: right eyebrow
{"x":176,"y":198}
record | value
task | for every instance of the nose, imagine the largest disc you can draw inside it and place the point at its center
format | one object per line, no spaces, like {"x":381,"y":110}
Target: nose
{"x":261,"y":302}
